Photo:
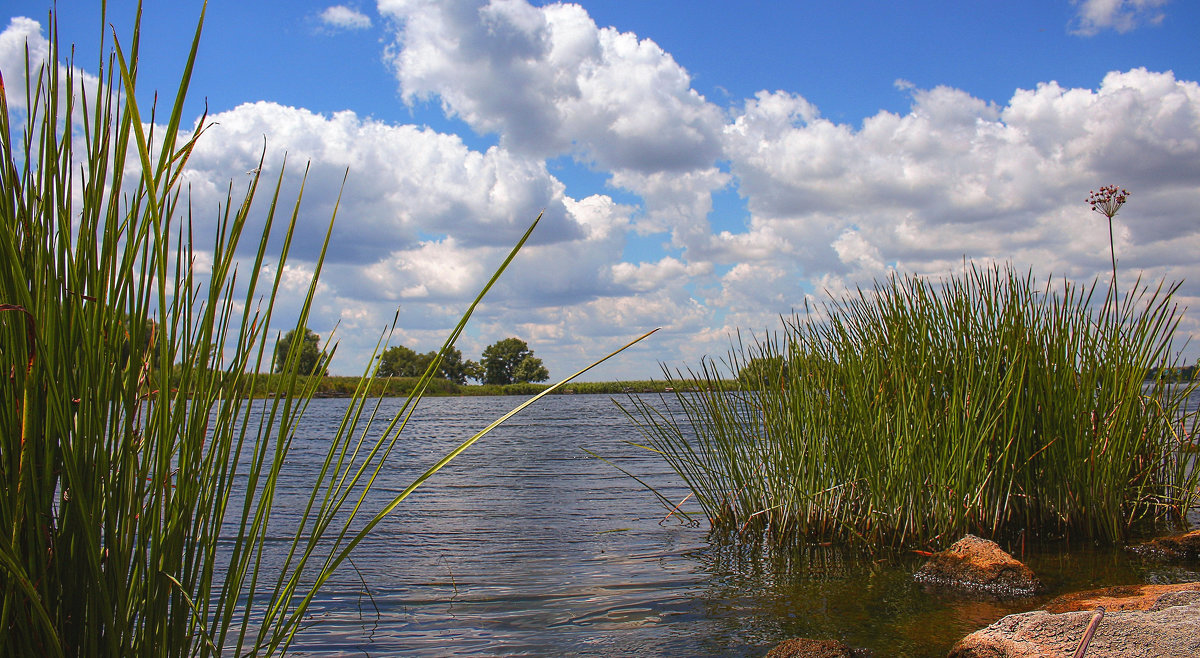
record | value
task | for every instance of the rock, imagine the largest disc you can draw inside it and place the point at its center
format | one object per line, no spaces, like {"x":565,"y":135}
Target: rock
{"x":1177,"y":547}
{"x":979,"y":564}
{"x":805,"y":648}
{"x":1169,"y":627}
{"x":1122,"y":597}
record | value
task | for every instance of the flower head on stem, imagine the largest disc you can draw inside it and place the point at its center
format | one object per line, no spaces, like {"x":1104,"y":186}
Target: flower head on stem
{"x":1107,"y":202}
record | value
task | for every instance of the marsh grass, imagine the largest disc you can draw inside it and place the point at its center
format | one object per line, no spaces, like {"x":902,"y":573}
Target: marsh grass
{"x":140,"y":519}
{"x":914,"y":412}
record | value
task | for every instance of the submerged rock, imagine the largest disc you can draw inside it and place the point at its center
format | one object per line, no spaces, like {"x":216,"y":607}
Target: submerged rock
{"x":980,"y":564}
{"x":1169,"y":626}
{"x":1121,"y":597}
{"x":805,"y":648}
{"x":1177,"y":547}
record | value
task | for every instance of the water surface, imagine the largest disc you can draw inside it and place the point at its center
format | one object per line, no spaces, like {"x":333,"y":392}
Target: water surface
{"x":526,"y":545}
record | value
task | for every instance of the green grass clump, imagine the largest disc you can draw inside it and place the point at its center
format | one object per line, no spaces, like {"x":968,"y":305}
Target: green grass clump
{"x":916,"y":412}
{"x":137,"y":518}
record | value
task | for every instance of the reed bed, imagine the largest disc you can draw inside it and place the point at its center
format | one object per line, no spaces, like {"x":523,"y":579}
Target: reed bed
{"x":138,"y":519}
{"x":917,"y":411}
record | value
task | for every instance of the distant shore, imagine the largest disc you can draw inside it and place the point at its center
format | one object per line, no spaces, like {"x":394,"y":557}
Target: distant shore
{"x":344,"y":387}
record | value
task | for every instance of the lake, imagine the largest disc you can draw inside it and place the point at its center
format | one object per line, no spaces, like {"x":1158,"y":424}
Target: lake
{"x":526,"y":545}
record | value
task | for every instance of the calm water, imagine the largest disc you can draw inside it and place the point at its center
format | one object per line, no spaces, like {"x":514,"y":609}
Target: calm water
{"x":526,"y":545}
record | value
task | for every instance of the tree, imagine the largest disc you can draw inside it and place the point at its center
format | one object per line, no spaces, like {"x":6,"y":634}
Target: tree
{"x":400,"y":361}
{"x":530,"y":369}
{"x":510,"y":360}
{"x":472,"y":370}
{"x":312,"y":360}
{"x":455,"y":369}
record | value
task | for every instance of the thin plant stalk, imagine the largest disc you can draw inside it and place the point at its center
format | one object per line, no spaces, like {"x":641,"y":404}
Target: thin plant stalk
{"x":1108,"y":201}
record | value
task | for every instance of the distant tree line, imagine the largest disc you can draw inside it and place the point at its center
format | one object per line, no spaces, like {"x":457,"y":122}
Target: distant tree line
{"x":507,"y":361}
{"x":1181,"y":374}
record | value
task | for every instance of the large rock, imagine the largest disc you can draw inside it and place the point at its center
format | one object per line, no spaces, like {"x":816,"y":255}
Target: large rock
{"x":1169,"y":627}
{"x":1177,"y":547}
{"x":1121,"y":597}
{"x":980,"y":564}
{"x":805,"y":648}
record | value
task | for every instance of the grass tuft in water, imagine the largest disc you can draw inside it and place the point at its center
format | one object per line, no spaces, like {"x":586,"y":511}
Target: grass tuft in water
{"x":915,"y":412}
{"x":138,"y":480}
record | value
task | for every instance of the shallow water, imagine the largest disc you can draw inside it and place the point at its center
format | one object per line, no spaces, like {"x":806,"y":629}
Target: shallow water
{"x":526,"y":545}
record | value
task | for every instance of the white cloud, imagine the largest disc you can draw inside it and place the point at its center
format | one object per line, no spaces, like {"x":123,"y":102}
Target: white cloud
{"x":669,"y":271}
{"x":345,"y":18}
{"x":21,"y":32}
{"x":424,"y":219}
{"x":956,"y":176}
{"x":549,"y":82}
{"x":422,"y":222}
{"x":405,"y":183}
{"x":855,"y":251}
{"x":24,"y":35}
{"x":678,"y":202}
{"x":1095,"y":16}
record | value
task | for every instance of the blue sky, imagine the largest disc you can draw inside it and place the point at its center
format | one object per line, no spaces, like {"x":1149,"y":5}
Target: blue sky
{"x":704,"y":166}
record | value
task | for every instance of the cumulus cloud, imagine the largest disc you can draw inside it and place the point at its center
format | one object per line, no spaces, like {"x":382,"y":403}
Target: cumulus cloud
{"x":424,"y":219}
{"x":344,"y":18}
{"x":1095,"y":16}
{"x":956,"y":177}
{"x":25,"y":33}
{"x":962,"y":174}
{"x":675,"y":202}
{"x":549,"y":82}
{"x":643,"y":277}
{"x":404,"y":184}
{"x":21,"y":31}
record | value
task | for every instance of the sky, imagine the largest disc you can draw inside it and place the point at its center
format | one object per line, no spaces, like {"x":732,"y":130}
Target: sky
{"x":704,"y":167}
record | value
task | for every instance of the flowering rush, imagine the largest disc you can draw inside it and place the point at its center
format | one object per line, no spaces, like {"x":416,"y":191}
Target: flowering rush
{"x":1108,"y":200}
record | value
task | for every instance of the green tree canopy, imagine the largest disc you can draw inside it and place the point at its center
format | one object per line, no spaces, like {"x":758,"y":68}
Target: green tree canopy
{"x":312,"y":361}
{"x":509,"y":361}
{"x":400,"y":361}
{"x":530,"y":369}
{"x":457,"y":370}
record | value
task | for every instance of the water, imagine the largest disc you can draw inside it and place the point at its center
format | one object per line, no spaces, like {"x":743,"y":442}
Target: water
{"x":526,"y":545}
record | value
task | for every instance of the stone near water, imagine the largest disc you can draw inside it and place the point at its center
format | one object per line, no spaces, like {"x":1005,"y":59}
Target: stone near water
{"x":1168,"y":627}
{"x":980,"y":564}
{"x":1121,"y":597}
{"x":806,"y":648}
{"x":1177,"y":547}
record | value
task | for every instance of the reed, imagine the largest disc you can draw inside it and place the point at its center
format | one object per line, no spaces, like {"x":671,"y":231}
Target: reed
{"x":138,"y":519}
{"x":914,"y":412}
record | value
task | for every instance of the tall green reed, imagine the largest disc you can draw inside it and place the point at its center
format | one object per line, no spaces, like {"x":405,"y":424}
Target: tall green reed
{"x":914,"y":412}
{"x":135,"y":516}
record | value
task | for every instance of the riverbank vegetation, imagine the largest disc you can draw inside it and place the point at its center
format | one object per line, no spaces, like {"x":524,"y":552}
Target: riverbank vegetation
{"x":140,"y":518}
{"x":264,"y":386}
{"x":989,"y":403}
